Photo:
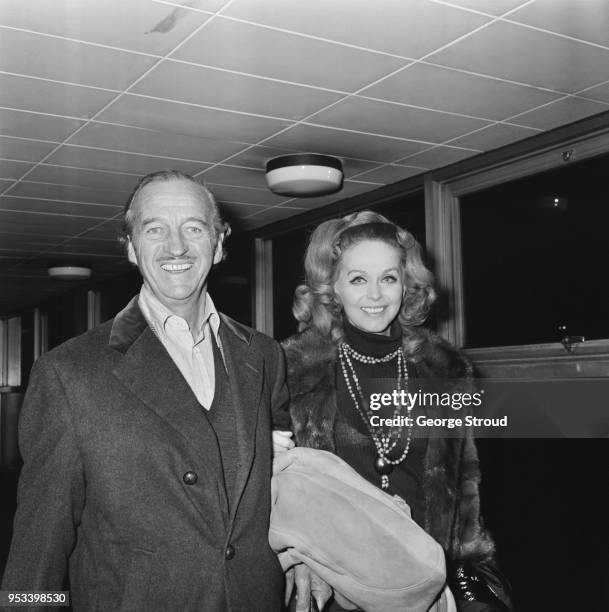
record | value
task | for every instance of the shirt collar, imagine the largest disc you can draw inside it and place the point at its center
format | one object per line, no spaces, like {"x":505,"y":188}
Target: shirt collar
{"x":158,"y":315}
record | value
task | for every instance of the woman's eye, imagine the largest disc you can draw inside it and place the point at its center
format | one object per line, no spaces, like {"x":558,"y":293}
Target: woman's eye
{"x":390,"y":278}
{"x":194,"y":229}
{"x":154,"y":231}
{"x":357,"y":280}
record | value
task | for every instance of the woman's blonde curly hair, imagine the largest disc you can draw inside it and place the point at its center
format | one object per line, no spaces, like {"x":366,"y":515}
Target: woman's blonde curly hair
{"x":315,"y":302}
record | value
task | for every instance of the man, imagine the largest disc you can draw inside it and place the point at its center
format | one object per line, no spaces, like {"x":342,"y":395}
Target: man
{"x":146,"y":441}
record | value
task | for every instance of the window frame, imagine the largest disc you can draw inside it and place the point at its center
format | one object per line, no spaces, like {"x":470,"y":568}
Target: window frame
{"x":587,"y":359}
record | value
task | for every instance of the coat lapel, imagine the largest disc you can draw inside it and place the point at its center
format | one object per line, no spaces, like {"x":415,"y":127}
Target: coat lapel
{"x":244,"y":366}
{"x":148,"y":371}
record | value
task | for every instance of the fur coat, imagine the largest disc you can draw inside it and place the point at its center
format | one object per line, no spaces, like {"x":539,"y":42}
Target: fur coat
{"x":451,"y":472}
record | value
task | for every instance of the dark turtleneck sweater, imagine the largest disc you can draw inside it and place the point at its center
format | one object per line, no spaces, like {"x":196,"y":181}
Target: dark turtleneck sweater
{"x":354,"y":443}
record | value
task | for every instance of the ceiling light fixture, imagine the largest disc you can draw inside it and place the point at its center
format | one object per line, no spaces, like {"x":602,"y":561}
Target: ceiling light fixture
{"x":304,"y":175}
{"x":69,"y":272}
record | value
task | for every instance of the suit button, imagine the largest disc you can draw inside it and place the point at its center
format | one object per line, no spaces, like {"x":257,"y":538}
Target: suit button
{"x":190,"y":478}
{"x":229,"y":553}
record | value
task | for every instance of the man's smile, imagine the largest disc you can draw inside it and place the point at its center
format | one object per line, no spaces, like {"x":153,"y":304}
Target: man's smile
{"x":176,"y":267}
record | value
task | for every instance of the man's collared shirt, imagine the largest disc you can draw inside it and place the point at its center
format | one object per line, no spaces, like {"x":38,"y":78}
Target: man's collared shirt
{"x":194,"y":358}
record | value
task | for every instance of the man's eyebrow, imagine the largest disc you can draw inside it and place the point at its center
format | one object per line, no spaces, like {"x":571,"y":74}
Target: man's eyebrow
{"x":198,"y":220}
{"x":148,"y":220}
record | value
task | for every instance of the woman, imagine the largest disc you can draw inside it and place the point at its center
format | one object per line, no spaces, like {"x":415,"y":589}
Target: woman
{"x":365,"y":296}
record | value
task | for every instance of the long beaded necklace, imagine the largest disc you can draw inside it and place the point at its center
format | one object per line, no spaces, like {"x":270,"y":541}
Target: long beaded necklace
{"x":384,"y":443}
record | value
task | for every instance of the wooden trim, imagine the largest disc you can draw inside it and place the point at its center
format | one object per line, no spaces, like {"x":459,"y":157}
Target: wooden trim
{"x":529,"y":352}
{"x":3,"y":352}
{"x":443,"y":244}
{"x":575,"y":149}
{"x":534,"y":145}
{"x":263,"y":286}
{"x":13,"y":364}
{"x":41,"y":333}
{"x":93,"y":308}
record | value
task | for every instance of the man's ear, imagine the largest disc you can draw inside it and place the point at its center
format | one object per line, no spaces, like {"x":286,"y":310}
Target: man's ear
{"x":219,"y":249}
{"x":131,"y":256}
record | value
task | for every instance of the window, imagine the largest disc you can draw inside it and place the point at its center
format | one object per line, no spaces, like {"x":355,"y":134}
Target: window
{"x":535,"y":257}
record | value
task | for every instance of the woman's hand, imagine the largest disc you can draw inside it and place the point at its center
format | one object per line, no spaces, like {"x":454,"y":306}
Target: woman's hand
{"x":282,"y":441}
{"x":308,"y":584}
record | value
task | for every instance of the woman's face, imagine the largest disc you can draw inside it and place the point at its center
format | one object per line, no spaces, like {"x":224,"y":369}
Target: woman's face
{"x":369,"y":285}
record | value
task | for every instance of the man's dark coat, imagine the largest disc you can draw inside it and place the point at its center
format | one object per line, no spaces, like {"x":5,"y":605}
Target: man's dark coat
{"x":108,"y":432}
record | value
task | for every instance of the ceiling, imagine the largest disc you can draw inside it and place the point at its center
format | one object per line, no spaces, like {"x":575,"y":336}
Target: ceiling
{"x":96,"y":93}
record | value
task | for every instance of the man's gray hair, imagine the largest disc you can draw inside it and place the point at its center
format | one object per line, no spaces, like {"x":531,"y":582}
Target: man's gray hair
{"x":219,"y":225}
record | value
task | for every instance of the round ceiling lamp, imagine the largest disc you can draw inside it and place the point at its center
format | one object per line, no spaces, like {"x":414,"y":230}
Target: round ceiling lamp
{"x":304,"y":175}
{"x":69,"y":272}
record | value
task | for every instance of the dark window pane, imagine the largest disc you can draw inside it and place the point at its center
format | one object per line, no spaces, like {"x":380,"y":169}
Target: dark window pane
{"x":67,"y":316}
{"x":288,"y":273}
{"x":289,"y":248}
{"x":535,"y":256}
{"x":230,"y":283}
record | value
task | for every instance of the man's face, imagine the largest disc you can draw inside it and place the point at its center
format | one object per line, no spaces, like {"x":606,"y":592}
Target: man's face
{"x":173,"y":243}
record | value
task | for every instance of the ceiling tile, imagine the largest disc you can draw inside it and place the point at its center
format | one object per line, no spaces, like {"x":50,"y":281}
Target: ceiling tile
{"x":14,"y":255}
{"x":53,"y":98}
{"x":409,"y":29}
{"x":140,"y":25}
{"x":494,"y":136}
{"x":240,"y":177}
{"x":64,"y":60}
{"x":310,"y":138}
{"x":97,"y":159}
{"x":270,"y":215}
{"x":245,"y":195}
{"x":598,"y":93}
{"x":110,"y":230}
{"x":70,"y":193}
{"x":458,"y":92}
{"x":26,"y":222}
{"x":438,"y":157}
{"x":38,"y":233}
{"x":252,"y":49}
{"x":256,"y":157}
{"x":226,"y":90}
{"x":83,"y":178}
{"x":232,"y":211}
{"x":101,"y":248}
{"x":492,"y":7}
{"x":587,"y":20}
{"x":10,"y":169}
{"x":505,"y":50}
{"x":26,"y":150}
{"x":348,"y":190}
{"x":396,"y":120}
{"x":25,"y":243}
{"x":561,"y":112}
{"x":31,"y":125}
{"x":99,"y":211}
{"x":190,"y":120}
{"x":151,"y":142}
{"x":389,"y":174}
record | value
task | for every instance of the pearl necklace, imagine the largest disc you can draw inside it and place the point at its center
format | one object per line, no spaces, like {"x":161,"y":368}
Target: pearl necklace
{"x":384,"y":443}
